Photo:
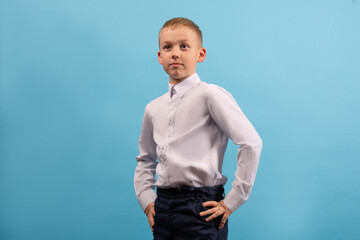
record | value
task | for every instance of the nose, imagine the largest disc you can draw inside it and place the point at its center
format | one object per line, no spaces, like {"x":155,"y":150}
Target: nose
{"x":175,"y":54}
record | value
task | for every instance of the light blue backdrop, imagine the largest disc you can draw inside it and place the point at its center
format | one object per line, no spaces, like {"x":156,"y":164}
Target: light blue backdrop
{"x":75,"y":77}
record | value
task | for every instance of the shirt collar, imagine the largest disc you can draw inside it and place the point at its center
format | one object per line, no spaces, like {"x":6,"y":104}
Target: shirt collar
{"x":185,"y":85}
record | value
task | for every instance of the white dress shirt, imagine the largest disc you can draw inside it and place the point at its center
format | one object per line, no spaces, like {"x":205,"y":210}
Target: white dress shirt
{"x":187,"y":130}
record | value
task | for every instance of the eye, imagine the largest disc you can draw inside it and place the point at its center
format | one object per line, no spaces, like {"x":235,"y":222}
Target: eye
{"x":184,"y":46}
{"x":167,"y":47}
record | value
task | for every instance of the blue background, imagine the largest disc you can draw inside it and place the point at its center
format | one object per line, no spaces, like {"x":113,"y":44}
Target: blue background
{"x":75,"y":77}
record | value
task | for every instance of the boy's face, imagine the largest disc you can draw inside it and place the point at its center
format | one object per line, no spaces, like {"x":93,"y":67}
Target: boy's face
{"x":180,"y":51}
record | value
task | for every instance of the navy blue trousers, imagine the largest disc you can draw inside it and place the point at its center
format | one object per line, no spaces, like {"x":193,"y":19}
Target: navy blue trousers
{"x":177,"y":214}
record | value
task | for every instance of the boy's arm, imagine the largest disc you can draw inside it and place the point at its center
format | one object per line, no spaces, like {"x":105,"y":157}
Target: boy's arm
{"x":229,"y":117}
{"x":144,"y":179}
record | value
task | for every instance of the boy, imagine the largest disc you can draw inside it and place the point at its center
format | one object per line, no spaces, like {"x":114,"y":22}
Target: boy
{"x":187,"y":130}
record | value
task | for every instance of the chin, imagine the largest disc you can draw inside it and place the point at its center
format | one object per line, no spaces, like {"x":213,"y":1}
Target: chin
{"x":176,"y":77}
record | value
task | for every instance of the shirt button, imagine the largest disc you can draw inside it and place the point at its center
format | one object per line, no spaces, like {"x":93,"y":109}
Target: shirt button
{"x":162,"y":148}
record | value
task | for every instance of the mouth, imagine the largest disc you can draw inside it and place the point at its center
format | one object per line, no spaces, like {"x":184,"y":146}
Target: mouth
{"x":175,"y":64}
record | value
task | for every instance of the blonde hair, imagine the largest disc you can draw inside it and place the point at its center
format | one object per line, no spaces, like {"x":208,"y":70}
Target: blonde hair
{"x":182,"y":22}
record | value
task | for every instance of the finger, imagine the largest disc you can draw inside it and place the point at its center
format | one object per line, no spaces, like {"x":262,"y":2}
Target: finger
{"x":208,"y":212}
{"x":151,"y":222}
{"x":215,"y":215}
{"x":210,"y":204}
{"x":223,"y":221}
{"x":152,"y":211}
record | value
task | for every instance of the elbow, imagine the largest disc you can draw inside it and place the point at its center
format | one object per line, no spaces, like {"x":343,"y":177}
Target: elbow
{"x":255,"y":146}
{"x":259,"y":142}
{"x":256,"y":143}
{"x":258,"y":147}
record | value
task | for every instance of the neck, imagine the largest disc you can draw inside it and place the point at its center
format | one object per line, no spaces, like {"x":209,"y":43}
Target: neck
{"x":178,"y":80}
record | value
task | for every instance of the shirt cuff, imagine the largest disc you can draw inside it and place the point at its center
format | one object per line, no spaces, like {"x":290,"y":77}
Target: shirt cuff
{"x":233,"y":200}
{"x":146,"y":197}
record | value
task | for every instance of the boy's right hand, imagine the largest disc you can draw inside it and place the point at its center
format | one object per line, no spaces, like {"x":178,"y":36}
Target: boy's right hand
{"x":150,"y":213}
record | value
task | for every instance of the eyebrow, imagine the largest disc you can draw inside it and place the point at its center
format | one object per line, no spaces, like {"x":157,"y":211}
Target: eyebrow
{"x":181,"y":40}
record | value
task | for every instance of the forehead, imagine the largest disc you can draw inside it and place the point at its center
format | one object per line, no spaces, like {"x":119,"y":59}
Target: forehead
{"x":177,"y":34}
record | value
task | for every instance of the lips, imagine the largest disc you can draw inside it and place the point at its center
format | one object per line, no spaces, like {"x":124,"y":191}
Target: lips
{"x":175,"y":64}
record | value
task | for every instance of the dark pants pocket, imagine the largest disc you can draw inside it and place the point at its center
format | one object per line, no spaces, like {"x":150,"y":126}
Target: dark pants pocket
{"x":178,"y":218}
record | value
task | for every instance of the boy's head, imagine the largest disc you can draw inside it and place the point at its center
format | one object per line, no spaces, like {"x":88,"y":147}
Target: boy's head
{"x":180,"y":48}
{"x":179,"y":22}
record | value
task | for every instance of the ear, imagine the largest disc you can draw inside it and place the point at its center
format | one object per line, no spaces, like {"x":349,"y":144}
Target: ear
{"x":159,"y":57}
{"x":202,"y":54}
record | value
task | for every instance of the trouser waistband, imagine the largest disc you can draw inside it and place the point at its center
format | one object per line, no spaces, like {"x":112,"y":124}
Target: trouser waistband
{"x":185,"y":191}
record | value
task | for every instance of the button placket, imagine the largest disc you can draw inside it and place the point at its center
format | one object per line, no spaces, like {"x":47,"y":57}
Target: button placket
{"x":163,"y":155}
{"x":173,"y":105}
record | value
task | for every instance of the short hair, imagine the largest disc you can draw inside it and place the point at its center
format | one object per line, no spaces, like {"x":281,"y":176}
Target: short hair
{"x":178,"y":22}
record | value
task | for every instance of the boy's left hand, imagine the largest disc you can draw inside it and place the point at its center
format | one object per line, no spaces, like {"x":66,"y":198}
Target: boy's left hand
{"x":218,"y":209}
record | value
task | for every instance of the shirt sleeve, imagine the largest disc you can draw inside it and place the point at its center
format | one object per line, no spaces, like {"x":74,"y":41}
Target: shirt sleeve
{"x":144,"y":178}
{"x":232,"y":121}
